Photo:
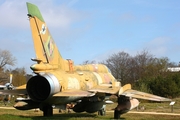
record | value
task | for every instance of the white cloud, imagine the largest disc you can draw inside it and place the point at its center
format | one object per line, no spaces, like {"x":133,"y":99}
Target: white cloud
{"x":13,"y":14}
{"x":107,"y":54}
{"x":158,"y":46}
{"x":61,"y":16}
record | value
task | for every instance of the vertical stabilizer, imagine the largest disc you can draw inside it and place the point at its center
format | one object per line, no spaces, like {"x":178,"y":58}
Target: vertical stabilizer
{"x":45,"y":47}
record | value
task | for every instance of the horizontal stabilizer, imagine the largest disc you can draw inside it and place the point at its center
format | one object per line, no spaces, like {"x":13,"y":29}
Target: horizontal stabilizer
{"x":143,"y":95}
{"x":21,"y":87}
{"x":74,"y":93}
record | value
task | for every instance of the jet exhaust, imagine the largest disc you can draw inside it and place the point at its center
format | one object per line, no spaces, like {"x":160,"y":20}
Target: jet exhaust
{"x":41,"y":87}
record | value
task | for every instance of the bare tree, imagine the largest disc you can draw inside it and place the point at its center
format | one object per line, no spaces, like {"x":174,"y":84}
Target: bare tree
{"x":132,"y":69}
{"x":6,"y":58}
{"x":119,"y":65}
{"x":140,"y":63}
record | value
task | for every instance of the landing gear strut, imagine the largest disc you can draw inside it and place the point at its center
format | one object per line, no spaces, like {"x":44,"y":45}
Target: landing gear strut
{"x":116,"y":114}
{"x":102,"y":112}
{"x":47,"y":110}
{"x":122,"y":107}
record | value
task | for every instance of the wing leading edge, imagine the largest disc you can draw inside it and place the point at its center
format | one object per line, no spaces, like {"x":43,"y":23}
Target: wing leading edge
{"x":127,"y":91}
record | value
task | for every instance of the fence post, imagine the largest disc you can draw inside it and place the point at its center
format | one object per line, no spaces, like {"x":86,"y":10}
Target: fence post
{"x":172,"y":105}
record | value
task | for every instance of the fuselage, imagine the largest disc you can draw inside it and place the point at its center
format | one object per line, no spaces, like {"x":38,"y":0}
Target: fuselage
{"x":83,"y":77}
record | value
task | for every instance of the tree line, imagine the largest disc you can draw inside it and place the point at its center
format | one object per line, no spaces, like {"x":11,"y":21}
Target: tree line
{"x":144,"y":72}
{"x":19,"y":74}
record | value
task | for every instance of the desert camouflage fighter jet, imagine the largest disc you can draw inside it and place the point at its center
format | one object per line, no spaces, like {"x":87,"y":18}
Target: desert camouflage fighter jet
{"x":59,"y":82}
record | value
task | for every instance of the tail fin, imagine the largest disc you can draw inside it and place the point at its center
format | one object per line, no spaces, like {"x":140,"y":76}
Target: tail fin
{"x":45,"y":47}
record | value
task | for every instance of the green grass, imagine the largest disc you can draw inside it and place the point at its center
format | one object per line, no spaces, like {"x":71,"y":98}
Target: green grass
{"x":12,"y":114}
{"x":31,"y":115}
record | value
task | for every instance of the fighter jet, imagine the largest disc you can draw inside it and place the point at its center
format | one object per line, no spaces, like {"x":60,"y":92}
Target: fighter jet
{"x":8,"y":86}
{"x":59,"y":82}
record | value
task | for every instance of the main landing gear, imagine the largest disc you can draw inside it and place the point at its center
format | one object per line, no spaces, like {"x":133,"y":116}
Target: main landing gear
{"x":122,"y":107}
{"x":47,"y":110}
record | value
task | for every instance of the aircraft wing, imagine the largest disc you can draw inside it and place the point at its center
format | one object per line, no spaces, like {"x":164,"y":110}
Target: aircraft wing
{"x":20,"y":90}
{"x":127,"y":91}
{"x":102,"y":90}
{"x":2,"y":86}
{"x":74,"y":93}
{"x":143,"y":95}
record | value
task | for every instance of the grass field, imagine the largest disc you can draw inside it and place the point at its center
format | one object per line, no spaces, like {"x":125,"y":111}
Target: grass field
{"x":12,"y":114}
{"x":31,"y":115}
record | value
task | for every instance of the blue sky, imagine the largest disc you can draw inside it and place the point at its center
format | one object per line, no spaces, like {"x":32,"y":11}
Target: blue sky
{"x":94,"y":29}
